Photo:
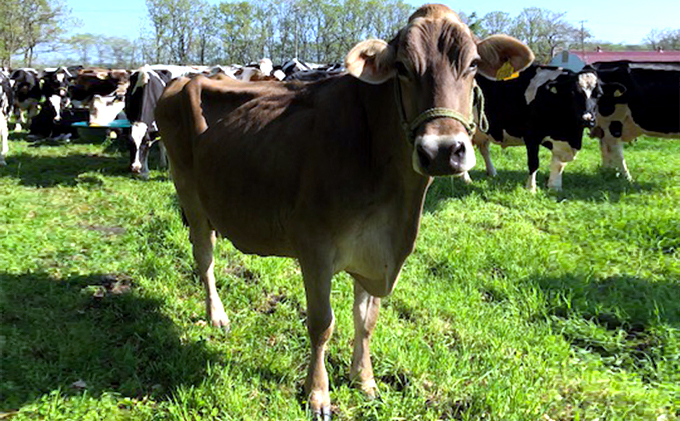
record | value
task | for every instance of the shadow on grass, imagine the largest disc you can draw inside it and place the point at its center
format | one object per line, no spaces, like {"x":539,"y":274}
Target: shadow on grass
{"x":627,"y":320}
{"x":95,"y":328}
{"x":49,"y":171}
{"x":17,"y":135}
{"x":603,"y":186}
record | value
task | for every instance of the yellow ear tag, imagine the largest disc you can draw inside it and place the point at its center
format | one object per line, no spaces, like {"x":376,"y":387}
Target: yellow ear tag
{"x":617,"y":93}
{"x":505,"y":72}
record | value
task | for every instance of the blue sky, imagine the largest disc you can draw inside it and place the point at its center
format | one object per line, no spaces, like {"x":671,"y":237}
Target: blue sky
{"x":624,"y":21}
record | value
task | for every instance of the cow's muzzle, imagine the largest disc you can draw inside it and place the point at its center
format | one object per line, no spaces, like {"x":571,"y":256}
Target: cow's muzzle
{"x":439,"y":155}
{"x":588,"y":120}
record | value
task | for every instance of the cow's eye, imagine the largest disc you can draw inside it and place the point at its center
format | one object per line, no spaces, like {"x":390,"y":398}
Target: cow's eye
{"x":402,"y":70}
{"x":473,"y":66}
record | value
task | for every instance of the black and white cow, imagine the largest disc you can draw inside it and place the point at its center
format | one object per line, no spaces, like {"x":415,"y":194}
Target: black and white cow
{"x":543,"y":105}
{"x":6,"y":101}
{"x":55,"y":120}
{"x":639,"y":98}
{"x":56,"y":81}
{"x":146,"y":86}
{"x":27,"y":96}
{"x":54,"y":85}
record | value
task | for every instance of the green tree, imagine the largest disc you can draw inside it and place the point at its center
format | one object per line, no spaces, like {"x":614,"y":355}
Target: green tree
{"x":666,"y":39}
{"x":42,"y":23}
{"x":10,"y":31}
{"x":83,"y":45}
{"x":27,"y":25}
{"x":544,"y":31}
{"x":495,"y":23}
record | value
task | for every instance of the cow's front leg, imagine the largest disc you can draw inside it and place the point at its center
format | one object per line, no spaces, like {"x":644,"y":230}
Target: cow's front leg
{"x":366,"y":308}
{"x":164,"y":155}
{"x":18,"y":119}
{"x":484,"y":150}
{"x":532,"y":161}
{"x":320,"y":321}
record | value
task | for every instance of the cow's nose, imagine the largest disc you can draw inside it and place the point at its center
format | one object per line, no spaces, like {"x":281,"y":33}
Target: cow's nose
{"x":442,"y":155}
{"x":457,"y":151}
{"x":588,"y":119}
{"x":136,"y":168}
{"x":426,"y":154}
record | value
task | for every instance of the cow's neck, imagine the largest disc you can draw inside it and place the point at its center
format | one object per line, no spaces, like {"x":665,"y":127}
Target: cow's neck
{"x":384,"y":123}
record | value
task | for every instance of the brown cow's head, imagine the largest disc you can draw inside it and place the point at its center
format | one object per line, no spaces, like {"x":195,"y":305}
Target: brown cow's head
{"x":435,"y":59}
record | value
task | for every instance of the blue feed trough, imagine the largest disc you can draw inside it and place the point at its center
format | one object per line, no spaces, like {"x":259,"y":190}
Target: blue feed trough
{"x":98,"y":133}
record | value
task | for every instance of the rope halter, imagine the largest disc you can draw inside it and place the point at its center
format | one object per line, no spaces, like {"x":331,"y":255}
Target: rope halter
{"x":439,"y":112}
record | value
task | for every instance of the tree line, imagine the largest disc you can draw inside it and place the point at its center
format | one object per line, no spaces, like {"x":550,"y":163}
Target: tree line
{"x":189,"y":31}
{"x":196,"y":32}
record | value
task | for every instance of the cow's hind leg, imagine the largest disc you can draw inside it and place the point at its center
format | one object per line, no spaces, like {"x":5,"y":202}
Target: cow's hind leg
{"x":532,"y":160}
{"x":617,"y":161}
{"x":203,"y":242}
{"x":320,"y":322}
{"x":366,"y":309}
{"x":4,"y":135}
{"x":202,"y":238}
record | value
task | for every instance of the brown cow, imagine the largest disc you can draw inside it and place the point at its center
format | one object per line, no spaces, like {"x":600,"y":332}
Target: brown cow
{"x":325,"y":172}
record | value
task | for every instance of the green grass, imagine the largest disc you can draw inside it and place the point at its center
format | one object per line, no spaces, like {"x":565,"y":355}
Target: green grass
{"x":562,"y":306}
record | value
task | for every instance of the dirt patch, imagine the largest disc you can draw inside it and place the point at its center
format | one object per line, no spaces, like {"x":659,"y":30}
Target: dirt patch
{"x":109,"y":285}
{"x":272,"y":300}
{"x":398,"y":381}
{"x":244,"y":273}
{"x":104,"y":229}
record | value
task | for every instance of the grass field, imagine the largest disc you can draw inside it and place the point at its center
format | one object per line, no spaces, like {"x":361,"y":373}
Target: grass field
{"x":553,"y":306}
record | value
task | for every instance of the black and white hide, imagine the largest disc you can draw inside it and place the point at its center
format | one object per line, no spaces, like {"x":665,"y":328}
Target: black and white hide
{"x":542,"y":106}
{"x":146,"y":86}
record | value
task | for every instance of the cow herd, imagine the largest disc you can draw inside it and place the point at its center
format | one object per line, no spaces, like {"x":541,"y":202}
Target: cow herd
{"x":47,"y":103}
{"x":540,"y":106}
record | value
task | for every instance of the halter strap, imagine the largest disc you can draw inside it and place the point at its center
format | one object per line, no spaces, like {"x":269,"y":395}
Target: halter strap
{"x":438,"y":112}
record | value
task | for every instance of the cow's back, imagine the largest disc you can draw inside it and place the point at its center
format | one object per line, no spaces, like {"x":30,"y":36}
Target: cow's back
{"x":272,"y":162}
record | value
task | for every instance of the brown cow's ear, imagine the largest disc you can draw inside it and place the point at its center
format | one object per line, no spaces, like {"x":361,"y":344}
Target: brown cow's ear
{"x":497,"y":50}
{"x":371,"y":61}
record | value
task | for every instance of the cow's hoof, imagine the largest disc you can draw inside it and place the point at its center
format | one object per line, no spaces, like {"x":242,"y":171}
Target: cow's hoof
{"x":370,"y":388}
{"x":322,"y":414}
{"x":220,"y":320}
{"x":221,"y":323}
{"x":141,"y":175}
